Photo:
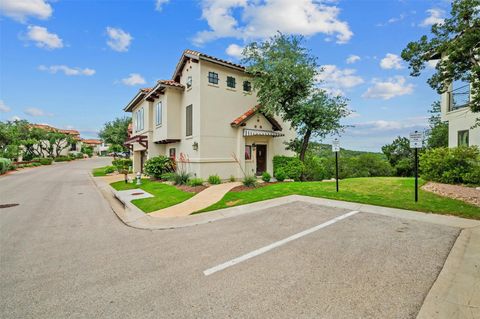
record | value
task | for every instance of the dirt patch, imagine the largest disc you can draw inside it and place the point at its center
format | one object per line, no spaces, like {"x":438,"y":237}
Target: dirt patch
{"x":233,"y":202}
{"x":463,"y":193}
{"x":243,"y":188}
{"x":191,"y":189}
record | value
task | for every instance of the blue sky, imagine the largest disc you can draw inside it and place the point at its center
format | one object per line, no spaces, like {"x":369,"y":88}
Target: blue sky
{"x":75,"y":64}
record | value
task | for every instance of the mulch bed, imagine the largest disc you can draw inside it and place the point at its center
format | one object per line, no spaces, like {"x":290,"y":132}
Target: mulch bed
{"x":243,"y":188}
{"x":191,"y":189}
{"x":463,"y":193}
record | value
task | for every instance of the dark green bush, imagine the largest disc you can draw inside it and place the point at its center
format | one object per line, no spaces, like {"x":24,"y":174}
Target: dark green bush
{"x":181,"y":178}
{"x":170,"y":176}
{"x":451,"y":165}
{"x":195,"y":182}
{"x":109,"y":169}
{"x":232,"y":178}
{"x":156,"y":166}
{"x":316,"y":169}
{"x":5,"y":165}
{"x":292,"y":166}
{"x":249,"y":181}
{"x":62,"y":159}
{"x":122,"y":165}
{"x":266,"y":177}
{"x":35,"y":164}
{"x":214,"y":179}
{"x":280,"y":175}
{"x":46,"y":161}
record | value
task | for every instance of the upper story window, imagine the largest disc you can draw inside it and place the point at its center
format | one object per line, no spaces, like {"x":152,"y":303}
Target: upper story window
{"x":459,"y":96}
{"x":231,"y":82}
{"x":462,"y":138}
{"x":139,"y":120}
{"x":247,"y":86}
{"x":158,"y":113}
{"x":213,"y":77}
{"x":189,"y":120}
{"x":189,"y":82}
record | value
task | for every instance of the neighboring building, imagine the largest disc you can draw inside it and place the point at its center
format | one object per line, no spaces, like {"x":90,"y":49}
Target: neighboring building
{"x":208,"y":113}
{"x":74,"y":147}
{"x":99,"y":147}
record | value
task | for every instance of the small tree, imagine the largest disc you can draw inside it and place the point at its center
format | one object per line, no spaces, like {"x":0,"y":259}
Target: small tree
{"x":116,"y":132}
{"x":400,"y":156}
{"x":438,"y":133}
{"x":457,"y":38}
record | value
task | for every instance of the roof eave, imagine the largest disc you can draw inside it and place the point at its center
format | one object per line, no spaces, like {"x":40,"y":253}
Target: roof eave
{"x":137,"y":98}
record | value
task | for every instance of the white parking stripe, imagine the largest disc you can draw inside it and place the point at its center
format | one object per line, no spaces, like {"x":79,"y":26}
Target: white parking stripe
{"x":276,"y":244}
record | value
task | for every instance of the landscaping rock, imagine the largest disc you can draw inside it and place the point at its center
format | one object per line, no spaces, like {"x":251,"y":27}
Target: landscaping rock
{"x":467,"y":194}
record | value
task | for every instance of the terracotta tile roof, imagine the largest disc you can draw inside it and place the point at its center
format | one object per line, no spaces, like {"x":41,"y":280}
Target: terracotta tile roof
{"x":171,"y":83}
{"x":146,"y":90}
{"x":200,"y":54}
{"x":71,"y":132}
{"x":250,"y":112}
{"x":92,"y":141}
{"x":51,"y":128}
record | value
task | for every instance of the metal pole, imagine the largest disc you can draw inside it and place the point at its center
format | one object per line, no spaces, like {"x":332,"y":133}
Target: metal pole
{"x":336,"y":168}
{"x":416,"y":174}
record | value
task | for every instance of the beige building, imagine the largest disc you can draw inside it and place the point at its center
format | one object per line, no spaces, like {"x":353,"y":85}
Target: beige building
{"x":208,"y":114}
{"x":456,"y":110}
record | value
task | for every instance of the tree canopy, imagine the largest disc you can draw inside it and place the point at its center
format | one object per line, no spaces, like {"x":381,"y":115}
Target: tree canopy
{"x":458,"y":40}
{"x":115,"y":132}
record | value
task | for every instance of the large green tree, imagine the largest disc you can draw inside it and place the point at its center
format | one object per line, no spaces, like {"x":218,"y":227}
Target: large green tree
{"x":458,"y":39}
{"x":284,"y":77}
{"x":116,"y":132}
{"x":438,"y":132}
{"x":400,"y":156}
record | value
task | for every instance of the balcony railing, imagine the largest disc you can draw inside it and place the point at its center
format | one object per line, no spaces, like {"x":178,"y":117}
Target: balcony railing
{"x":459,"y":97}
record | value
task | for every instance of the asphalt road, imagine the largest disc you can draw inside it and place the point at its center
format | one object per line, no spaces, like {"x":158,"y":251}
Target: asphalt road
{"x":65,"y":254}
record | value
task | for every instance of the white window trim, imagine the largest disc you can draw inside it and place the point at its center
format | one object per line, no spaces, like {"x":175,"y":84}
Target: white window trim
{"x":159,"y":114}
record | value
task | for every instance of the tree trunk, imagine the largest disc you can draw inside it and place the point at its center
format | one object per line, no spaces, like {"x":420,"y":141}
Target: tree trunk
{"x":306,"y":140}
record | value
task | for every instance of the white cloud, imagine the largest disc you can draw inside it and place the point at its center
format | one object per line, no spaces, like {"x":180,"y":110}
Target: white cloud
{"x":119,"y":40}
{"x":434,"y":16}
{"x":235,"y":51}
{"x":20,"y":10}
{"x":334,"y":80}
{"x":431,"y":64}
{"x":352,"y":58}
{"x":263,"y":19}
{"x":393,"y":20}
{"x":401,"y":126}
{"x":15,"y":118}
{"x":66,"y":70}
{"x":43,"y":38}
{"x":33,"y":111}
{"x":388,"y":89}
{"x":4,"y":108}
{"x":159,"y":4}
{"x":134,"y":79}
{"x":391,"y":61}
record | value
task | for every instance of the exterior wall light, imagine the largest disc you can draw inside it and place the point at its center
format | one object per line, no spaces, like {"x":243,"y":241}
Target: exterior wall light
{"x":195,"y":146}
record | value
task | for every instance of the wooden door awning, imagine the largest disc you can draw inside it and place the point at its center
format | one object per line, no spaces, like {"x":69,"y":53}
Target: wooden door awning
{"x":140,"y":139}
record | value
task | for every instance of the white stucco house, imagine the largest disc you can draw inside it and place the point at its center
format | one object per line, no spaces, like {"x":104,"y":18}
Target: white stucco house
{"x":209,"y":113}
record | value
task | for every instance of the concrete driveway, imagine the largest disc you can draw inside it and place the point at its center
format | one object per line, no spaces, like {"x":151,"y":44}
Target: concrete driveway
{"x":65,"y":254}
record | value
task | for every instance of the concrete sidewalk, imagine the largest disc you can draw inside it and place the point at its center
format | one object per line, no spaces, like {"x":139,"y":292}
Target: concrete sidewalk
{"x":202,"y":200}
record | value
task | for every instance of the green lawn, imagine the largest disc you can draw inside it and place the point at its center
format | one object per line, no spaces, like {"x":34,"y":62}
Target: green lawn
{"x":99,"y":171}
{"x":382,"y":191}
{"x":165,"y":195}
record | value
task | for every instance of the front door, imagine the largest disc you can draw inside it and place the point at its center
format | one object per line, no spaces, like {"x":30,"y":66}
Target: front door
{"x":261,"y":153}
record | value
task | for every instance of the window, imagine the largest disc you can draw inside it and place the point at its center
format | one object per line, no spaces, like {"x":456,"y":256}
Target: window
{"x":73,"y":147}
{"x":189,"y":82}
{"x":462,"y":138}
{"x":158,"y":113}
{"x":248,"y":152}
{"x":459,"y":96}
{"x":189,"y":118}
{"x":247,"y":86}
{"x":171,"y":153}
{"x":213,"y":77}
{"x":139,"y":120}
{"x":230,"y":81}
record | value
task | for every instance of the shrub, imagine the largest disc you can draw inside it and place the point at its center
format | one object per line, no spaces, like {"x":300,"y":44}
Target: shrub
{"x":280,"y":175}
{"x":451,"y":165}
{"x":292,"y":166}
{"x":109,"y":169}
{"x":316,"y":169}
{"x":170,"y":176}
{"x":249,"y":181}
{"x":232,"y":178}
{"x":79,"y":155}
{"x":46,"y":161}
{"x":5,"y":165}
{"x":181,"y":178}
{"x":122,"y":165}
{"x":214,"y":179}
{"x":35,"y":164}
{"x":156,"y":166}
{"x":266,"y":177}
{"x":195,"y":182}
{"x":62,"y":159}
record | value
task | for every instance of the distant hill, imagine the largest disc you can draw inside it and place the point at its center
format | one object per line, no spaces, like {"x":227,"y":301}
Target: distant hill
{"x":325,"y":150}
